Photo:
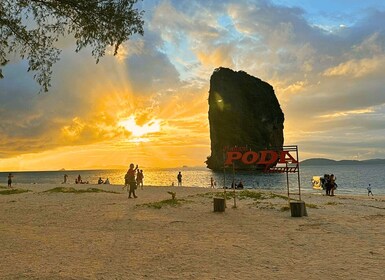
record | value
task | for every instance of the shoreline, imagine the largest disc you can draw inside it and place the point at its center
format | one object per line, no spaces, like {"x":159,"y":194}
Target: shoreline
{"x":38,"y":187}
{"x":107,"y":236}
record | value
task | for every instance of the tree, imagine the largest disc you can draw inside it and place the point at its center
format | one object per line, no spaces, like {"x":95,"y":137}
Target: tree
{"x":31,"y":29}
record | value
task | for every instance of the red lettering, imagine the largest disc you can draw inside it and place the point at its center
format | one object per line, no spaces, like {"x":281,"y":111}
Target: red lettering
{"x":246,"y":157}
{"x":231,"y":156}
{"x":268,"y":157}
{"x":285,"y":157}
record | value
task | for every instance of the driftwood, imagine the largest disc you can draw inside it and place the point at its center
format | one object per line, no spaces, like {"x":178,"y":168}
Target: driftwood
{"x":173,"y":194}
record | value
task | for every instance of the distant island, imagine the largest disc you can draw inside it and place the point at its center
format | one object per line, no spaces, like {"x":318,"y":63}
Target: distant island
{"x":325,"y":161}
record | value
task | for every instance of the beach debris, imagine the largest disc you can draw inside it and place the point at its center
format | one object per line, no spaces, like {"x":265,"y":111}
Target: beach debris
{"x":173,"y":195}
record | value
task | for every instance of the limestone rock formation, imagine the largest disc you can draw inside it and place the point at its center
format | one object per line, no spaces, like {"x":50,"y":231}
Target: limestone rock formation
{"x":243,"y":112}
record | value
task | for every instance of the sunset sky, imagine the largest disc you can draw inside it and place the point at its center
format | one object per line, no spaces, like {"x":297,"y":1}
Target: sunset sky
{"x":148,"y":105}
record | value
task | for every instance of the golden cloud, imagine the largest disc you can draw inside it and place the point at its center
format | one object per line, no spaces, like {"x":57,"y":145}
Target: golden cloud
{"x":356,"y":67}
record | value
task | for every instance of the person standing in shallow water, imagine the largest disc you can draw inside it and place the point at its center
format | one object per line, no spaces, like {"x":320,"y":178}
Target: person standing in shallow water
{"x":179,"y":177}
{"x":130,"y":179}
{"x":10,"y":176}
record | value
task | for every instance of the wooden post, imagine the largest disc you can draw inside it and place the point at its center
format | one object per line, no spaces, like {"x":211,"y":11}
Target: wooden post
{"x":298,"y":208}
{"x":219,"y":204}
{"x":235,"y":201}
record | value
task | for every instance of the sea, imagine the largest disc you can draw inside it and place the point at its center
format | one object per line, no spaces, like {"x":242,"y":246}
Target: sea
{"x":351,"y":179}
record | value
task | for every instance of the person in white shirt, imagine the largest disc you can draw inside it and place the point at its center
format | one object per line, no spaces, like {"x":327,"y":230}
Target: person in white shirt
{"x":369,"y":190}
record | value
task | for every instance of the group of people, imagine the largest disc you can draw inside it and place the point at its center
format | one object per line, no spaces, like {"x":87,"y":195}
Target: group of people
{"x":106,"y":182}
{"x":329,"y":184}
{"x":79,"y":180}
{"x":236,"y":186}
{"x":133,"y":179}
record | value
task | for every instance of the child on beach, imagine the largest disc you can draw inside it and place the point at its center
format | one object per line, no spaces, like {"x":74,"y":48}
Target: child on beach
{"x":369,"y":190}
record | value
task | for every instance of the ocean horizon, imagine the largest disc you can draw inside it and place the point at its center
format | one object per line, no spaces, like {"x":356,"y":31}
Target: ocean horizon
{"x":350,"y":179}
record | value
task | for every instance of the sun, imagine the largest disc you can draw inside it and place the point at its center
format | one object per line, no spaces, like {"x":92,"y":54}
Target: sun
{"x":140,"y":130}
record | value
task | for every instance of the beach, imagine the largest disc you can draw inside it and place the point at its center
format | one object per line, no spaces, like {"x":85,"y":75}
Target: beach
{"x":105,"y":235}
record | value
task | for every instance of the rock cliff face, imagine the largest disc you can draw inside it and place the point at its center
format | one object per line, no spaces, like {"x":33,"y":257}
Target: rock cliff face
{"x":243,"y":112}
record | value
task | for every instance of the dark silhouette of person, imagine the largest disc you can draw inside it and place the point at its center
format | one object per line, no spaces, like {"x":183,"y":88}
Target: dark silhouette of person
{"x":10,"y":176}
{"x":65,"y":178}
{"x":233,"y":185}
{"x":332,"y":184}
{"x":130,"y":178}
{"x":139,"y":178}
{"x":179,"y":177}
{"x":240,"y":185}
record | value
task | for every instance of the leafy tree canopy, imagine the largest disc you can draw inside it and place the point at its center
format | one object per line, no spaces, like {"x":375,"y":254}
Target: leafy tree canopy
{"x":32,"y":28}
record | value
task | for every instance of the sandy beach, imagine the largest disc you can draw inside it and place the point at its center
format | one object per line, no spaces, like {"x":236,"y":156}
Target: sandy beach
{"x":104,"y":235}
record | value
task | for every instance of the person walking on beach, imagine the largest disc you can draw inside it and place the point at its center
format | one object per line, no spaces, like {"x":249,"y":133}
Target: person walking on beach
{"x":179,"y":177}
{"x":10,"y":176}
{"x":130,"y":179}
{"x":65,"y":179}
{"x":369,"y":190}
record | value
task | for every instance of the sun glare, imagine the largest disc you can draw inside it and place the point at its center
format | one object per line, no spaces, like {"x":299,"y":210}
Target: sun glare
{"x":137,"y":130}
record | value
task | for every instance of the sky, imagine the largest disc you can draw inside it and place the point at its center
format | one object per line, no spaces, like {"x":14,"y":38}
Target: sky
{"x":148,"y":105}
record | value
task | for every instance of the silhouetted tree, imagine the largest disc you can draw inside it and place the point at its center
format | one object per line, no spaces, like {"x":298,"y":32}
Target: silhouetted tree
{"x":31,"y":29}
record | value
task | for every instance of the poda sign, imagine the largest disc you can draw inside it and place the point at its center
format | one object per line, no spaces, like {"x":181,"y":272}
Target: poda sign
{"x":265,"y":157}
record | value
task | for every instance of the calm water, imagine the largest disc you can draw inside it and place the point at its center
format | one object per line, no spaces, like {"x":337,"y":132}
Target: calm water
{"x":350,"y":179}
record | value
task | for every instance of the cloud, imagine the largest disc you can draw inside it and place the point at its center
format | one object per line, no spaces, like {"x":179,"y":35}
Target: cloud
{"x":355,"y":68}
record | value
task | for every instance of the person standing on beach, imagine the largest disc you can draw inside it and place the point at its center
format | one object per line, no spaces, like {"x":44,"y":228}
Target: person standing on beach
{"x":333,"y":185}
{"x":212,"y":182}
{"x":65,"y":179}
{"x":139,"y":178}
{"x":130,"y":179}
{"x":369,"y":190}
{"x":10,"y":176}
{"x":179,"y":177}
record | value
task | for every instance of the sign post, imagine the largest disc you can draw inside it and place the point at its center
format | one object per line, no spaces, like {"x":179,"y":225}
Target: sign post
{"x":275,"y":160}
